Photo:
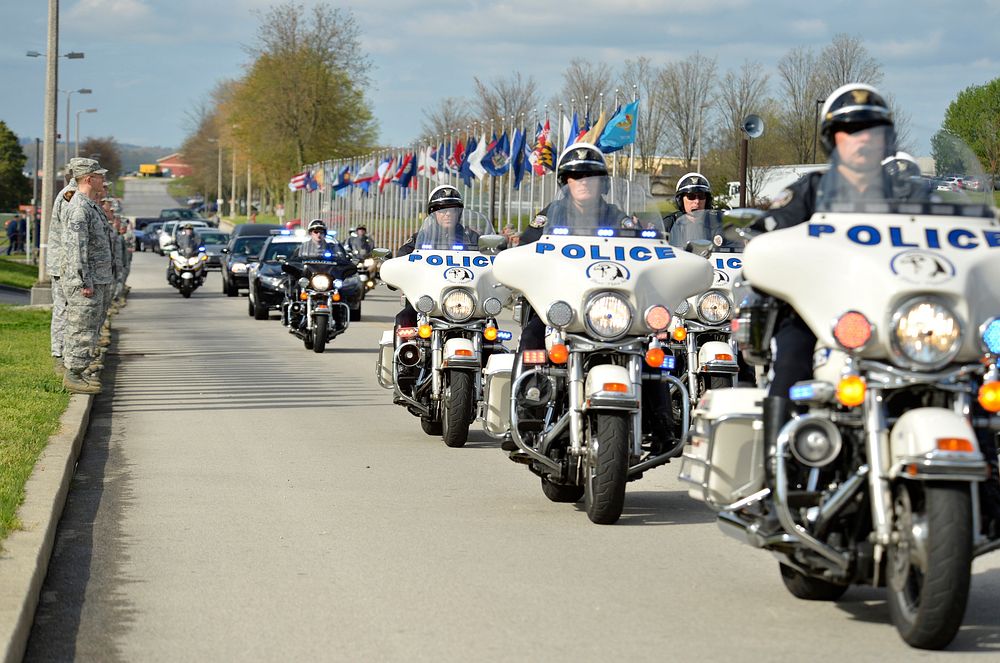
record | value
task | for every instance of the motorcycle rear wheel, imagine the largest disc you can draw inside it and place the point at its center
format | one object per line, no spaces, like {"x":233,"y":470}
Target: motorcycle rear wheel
{"x":457,"y":412}
{"x":606,"y":468}
{"x":809,"y":588}
{"x":928,"y":580}
{"x":319,"y":334}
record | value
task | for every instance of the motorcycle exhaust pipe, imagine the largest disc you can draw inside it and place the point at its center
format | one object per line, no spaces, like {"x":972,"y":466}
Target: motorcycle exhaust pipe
{"x":409,"y":354}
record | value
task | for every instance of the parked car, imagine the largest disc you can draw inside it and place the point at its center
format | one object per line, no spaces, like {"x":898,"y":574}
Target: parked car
{"x":166,"y":237}
{"x":266,"y":279}
{"x":215,"y":241}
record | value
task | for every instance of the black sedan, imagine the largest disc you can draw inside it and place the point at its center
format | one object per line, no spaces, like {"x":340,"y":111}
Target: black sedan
{"x":236,"y":256}
{"x":265,"y":276}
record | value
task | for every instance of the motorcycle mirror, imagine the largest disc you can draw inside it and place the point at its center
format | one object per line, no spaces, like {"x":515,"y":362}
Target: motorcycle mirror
{"x":700,"y":247}
{"x":170,"y":247}
{"x":741,"y":217}
{"x":281,"y":257}
{"x":491,"y":244}
{"x":225,"y":250}
{"x":381,"y":254}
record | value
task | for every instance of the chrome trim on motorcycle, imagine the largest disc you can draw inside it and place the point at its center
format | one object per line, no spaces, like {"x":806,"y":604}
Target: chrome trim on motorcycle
{"x":933,"y":467}
{"x":516,"y":434}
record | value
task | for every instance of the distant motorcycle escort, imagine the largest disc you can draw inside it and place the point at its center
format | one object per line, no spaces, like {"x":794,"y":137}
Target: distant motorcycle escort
{"x":186,"y":270}
{"x":877,"y":478}
{"x":605,"y":285}
{"x":434,"y":362}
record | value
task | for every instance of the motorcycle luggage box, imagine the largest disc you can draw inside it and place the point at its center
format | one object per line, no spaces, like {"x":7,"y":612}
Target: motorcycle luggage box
{"x":496,"y":393}
{"x":385,"y":352}
{"x":725,"y":457}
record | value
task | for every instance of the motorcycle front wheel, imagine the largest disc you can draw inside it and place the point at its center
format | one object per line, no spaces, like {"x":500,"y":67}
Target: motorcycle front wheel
{"x":458,"y":404}
{"x":606,"y":468}
{"x":319,"y":333}
{"x":929,"y":562}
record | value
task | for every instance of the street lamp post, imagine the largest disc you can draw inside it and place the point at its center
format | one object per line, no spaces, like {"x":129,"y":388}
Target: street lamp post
{"x":76,"y":144}
{"x":83,"y":90}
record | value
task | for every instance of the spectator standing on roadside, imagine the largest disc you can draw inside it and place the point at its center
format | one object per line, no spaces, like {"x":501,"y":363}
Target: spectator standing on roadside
{"x":53,"y":265}
{"x":86,"y":273}
{"x":11,"y":235}
{"x":22,"y":233}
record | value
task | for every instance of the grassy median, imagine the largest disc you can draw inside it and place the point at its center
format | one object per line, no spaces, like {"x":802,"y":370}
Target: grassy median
{"x":31,"y":401}
{"x":15,"y":273}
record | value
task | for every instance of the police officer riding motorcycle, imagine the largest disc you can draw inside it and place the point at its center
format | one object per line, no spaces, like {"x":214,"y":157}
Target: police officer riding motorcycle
{"x":877,"y":460}
{"x":186,"y":267}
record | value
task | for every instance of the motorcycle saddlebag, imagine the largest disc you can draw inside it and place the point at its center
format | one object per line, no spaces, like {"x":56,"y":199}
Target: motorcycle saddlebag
{"x":496,"y":393}
{"x":383,"y":370}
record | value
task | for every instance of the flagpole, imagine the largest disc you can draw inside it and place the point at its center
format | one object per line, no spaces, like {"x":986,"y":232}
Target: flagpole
{"x":631,"y":157}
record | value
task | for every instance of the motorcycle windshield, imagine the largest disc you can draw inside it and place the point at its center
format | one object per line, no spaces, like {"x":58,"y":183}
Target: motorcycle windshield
{"x":331,"y":251}
{"x":453,"y":229}
{"x":868,"y":176}
{"x":601,"y":206}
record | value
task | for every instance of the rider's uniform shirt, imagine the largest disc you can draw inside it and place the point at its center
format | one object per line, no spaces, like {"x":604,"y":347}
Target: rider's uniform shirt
{"x":563,"y":213}
{"x":684,"y":228}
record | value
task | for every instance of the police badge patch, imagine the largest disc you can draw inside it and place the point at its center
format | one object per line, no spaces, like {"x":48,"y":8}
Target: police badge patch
{"x":782,"y":199}
{"x":539,"y":221}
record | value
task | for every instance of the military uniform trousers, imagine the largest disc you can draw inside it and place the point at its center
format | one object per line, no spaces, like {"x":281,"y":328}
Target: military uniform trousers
{"x":58,"y":327}
{"x":84,"y":317}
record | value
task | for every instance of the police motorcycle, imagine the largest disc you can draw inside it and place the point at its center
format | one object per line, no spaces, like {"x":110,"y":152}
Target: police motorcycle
{"x":323,"y":296}
{"x":606,"y":284}
{"x":187,"y":268}
{"x":435,"y":368}
{"x":876,"y":479}
{"x":367,"y":268}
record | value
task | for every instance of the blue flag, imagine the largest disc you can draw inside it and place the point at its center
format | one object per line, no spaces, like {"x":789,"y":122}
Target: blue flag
{"x":574,"y":131}
{"x":497,"y":159}
{"x":519,"y":160}
{"x":620,"y":129}
{"x":464,"y":171}
{"x":408,"y":171}
{"x":343,"y":179}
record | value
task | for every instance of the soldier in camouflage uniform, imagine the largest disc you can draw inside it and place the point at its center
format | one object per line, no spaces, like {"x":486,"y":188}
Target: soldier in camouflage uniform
{"x":53,"y":263}
{"x":87,"y":274}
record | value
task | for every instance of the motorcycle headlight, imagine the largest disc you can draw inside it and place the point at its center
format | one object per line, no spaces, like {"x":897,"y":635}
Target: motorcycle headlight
{"x":560,"y":314}
{"x":320,"y":282}
{"x":369,"y":262}
{"x":239,"y":267}
{"x":194,"y":260}
{"x":926,"y":334}
{"x":714,"y":307}
{"x":608,"y":315}
{"x":459,"y":305}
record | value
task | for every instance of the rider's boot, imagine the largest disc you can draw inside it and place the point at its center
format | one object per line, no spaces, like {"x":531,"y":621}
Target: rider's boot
{"x":777,"y":412}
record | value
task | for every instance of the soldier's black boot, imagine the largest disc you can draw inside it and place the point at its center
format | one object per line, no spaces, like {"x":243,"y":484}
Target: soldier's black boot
{"x":74,"y":382}
{"x":777,"y":412}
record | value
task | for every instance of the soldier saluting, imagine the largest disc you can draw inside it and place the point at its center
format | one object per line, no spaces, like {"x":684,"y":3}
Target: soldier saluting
{"x":87,"y":273}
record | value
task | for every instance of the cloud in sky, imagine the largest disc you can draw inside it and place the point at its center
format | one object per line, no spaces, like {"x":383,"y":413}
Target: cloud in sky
{"x":150,"y":61}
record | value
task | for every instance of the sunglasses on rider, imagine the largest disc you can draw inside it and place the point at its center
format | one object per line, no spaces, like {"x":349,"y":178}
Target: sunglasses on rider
{"x":318,"y":231}
{"x":695,"y":195}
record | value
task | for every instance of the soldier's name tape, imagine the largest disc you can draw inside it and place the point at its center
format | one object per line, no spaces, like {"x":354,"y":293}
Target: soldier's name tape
{"x":897,"y":236}
{"x":596,"y":252}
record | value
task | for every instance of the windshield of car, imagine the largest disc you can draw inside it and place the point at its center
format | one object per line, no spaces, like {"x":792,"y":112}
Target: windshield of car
{"x":275,"y":249}
{"x":868,"y":176}
{"x":177,"y":214}
{"x":249,"y":246}
{"x":453,"y":229}
{"x":602,"y":206}
{"x":209,"y":237}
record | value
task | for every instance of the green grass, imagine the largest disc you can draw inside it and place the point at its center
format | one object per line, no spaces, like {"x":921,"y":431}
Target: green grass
{"x":180,"y":187}
{"x":17,"y":274}
{"x":31,"y":401}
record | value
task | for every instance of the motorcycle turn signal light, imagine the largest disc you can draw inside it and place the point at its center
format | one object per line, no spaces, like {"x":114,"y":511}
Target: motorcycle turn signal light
{"x":680,"y":333}
{"x":424,"y":331}
{"x":336,"y":296}
{"x":490,"y":333}
{"x":303,"y":296}
{"x":851,"y":391}
{"x":617,"y":387}
{"x":559,"y":353}
{"x":406,"y":333}
{"x":989,"y":397}
{"x":654,"y":357}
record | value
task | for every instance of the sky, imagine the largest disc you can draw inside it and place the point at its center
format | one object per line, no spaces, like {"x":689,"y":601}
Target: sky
{"x":151,"y":62}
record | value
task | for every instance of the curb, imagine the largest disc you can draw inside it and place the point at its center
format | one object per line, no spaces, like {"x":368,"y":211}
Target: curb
{"x":15,"y":290}
{"x":26,"y":552}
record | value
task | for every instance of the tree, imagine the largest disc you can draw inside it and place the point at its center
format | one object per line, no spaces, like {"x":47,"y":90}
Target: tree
{"x":104,"y":150}
{"x":448,"y":115}
{"x":689,"y":86}
{"x":846,"y":60}
{"x":948,"y":156}
{"x":801,"y":94}
{"x":651,"y":132}
{"x":503,"y":98}
{"x":974,"y":116}
{"x":584,"y":83}
{"x":15,"y":188}
{"x":741,"y":93}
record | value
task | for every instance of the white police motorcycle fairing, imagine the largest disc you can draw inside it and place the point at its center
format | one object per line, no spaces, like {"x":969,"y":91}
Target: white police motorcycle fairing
{"x":435,"y":367}
{"x":877,"y":480}
{"x":187,"y":268}
{"x":605,"y":284}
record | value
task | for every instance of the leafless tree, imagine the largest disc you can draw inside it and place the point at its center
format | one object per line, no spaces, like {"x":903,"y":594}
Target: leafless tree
{"x":801,"y":89}
{"x":583,"y":84}
{"x":690,"y":91}
{"x":643,"y":77}
{"x":846,"y":60}
{"x":448,"y":115}
{"x":741,"y":93}
{"x":503,"y":98}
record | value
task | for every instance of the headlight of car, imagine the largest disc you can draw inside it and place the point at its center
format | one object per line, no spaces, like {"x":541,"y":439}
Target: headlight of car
{"x":459,"y":305}
{"x":239,"y":268}
{"x":608,"y":315}
{"x":714,"y":307}
{"x":271,"y":281}
{"x":926,"y":334}
{"x":320,"y":282}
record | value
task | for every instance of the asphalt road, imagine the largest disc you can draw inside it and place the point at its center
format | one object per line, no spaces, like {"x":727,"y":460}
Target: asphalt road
{"x":146,"y":196}
{"x":241,"y":498}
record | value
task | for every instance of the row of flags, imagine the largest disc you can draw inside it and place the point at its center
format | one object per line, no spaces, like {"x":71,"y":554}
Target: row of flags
{"x":519,"y":155}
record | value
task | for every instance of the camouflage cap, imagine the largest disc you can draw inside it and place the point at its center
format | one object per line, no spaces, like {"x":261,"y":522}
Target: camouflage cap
{"x":80,"y":167}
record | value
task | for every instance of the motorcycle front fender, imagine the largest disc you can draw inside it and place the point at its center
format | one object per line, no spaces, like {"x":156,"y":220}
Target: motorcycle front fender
{"x":717,"y":357}
{"x":599,"y":394}
{"x":460,"y":353}
{"x":930,"y":443}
